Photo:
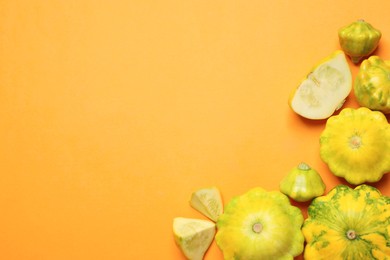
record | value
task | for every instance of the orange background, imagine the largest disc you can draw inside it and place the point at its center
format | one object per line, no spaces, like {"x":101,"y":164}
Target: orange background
{"x":114,"y":112}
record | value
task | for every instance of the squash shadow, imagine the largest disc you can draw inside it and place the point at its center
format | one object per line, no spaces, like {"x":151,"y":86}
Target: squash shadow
{"x":382,"y":184}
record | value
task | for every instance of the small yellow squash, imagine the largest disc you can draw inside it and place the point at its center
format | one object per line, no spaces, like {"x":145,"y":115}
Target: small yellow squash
{"x":302,"y":183}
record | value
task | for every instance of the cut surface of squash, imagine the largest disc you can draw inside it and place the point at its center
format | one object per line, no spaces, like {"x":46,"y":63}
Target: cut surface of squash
{"x":193,"y":236}
{"x":324,"y":89}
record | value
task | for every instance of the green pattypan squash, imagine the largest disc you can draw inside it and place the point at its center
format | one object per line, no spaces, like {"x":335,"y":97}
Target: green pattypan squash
{"x":260,"y":225}
{"x":359,"y":39}
{"x":372,"y":84}
{"x":302,"y":183}
{"x":356,"y":145}
{"x":348,"y":224}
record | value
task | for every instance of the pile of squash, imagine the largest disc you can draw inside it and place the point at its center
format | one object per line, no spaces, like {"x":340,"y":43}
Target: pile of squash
{"x":350,"y":221}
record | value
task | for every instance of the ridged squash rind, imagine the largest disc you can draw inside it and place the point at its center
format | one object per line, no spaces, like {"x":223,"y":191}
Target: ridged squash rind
{"x":372,"y":84}
{"x":359,"y":39}
{"x":260,"y":224}
{"x":348,"y":224}
{"x":355,"y":145}
{"x":302,"y":183}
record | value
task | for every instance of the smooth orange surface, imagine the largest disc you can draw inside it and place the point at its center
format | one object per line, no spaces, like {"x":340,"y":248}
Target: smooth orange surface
{"x":114,"y":112}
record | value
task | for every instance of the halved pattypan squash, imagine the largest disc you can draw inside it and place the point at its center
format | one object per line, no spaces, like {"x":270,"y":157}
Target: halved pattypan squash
{"x":356,"y":145}
{"x":324,"y":88}
{"x":348,"y":224}
{"x":302,"y":183}
{"x":260,"y":225}
{"x":359,"y":39}
{"x":372,"y":84}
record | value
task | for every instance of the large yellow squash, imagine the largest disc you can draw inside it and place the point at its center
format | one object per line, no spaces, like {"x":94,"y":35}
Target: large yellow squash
{"x":260,"y":225}
{"x":356,"y":145}
{"x":350,"y":224}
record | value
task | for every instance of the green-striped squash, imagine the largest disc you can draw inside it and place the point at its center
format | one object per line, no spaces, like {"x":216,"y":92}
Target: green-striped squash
{"x":359,"y":39}
{"x":372,"y":84}
{"x":348,"y":224}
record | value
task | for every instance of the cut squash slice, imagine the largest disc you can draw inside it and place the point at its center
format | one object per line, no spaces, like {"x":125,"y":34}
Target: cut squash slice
{"x":193,"y":236}
{"x":324,"y":89}
{"x":207,"y":201}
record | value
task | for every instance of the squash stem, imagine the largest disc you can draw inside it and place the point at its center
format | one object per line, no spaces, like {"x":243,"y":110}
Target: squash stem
{"x":257,"y":228}
{"x":355,"y":59}
{"x":303,"y":166}
{"x":355,"y":142}
{"x":351,"y":234}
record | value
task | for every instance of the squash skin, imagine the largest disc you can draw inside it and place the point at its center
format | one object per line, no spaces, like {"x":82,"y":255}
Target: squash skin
{"x":302,"y":183}
{"x":332,"y":218}
{"x":359,"y":39}
{"x":356,"y":145}
{"x":279,"y":235}
{"x":372,"y":84}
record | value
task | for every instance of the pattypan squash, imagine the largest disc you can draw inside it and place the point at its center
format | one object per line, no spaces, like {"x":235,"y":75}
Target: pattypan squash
{"x":302,"y":183}
{"x":355,"y":144}
{"x":260,"y":225}
{"x":372,"y":84}
{"x":348,"y":224}
{"x":359,"y":39}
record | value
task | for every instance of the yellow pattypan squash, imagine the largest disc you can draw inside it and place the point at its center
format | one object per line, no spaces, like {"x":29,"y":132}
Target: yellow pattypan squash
{"x":372,"y":84}
{"x":348,"y":224}
{"x":302,"y":183}
{"x":356,"y":145}
{"x":260,"y":225}
{"x":359,"y":39}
